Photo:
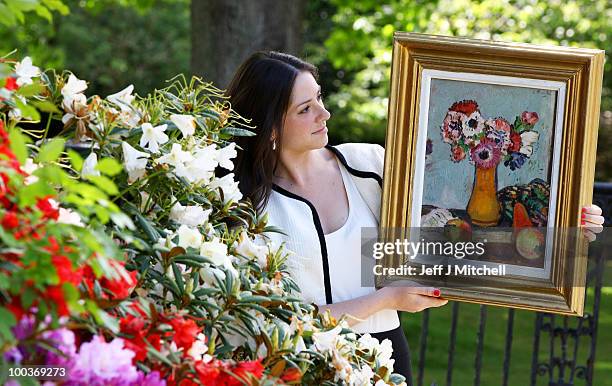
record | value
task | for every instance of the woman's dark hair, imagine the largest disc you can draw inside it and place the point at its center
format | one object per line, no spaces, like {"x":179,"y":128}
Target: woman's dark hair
{"x":260,"y":90}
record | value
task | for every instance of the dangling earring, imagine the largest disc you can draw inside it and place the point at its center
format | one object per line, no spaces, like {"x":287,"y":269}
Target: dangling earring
{"x":274,"y":145}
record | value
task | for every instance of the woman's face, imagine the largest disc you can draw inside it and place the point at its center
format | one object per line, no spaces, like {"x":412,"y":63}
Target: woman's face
{"x":304,"y":128}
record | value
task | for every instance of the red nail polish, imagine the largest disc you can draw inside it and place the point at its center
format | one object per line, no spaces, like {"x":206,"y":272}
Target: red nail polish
{"x":436,"y":293}
{"x":582,"y":222}
{"x":583,"y":210}
{"x":583,"y":215}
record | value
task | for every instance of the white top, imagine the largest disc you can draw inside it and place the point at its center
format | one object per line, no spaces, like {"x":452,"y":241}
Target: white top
{"x":327,"y":267}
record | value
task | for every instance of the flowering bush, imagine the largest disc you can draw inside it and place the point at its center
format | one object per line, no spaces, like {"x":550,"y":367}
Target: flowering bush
{"x":487,"y":141}
{"x":173,"y":280}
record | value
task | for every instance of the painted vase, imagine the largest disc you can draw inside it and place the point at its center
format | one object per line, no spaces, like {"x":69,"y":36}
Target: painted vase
{"x":483,"y":207}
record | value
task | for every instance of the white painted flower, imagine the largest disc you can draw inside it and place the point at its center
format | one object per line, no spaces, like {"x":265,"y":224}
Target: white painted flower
{"x":190,"y":215}
{"x":153,"y":136}
{"x":123,"y":99}
{"x":326,"y":341}
{"x":25,"y":71}
{"x":177,"y":156}
{"x":135,"y":162}
{"x":228,"y":186}
{"x":247,"y":247}
{"x":189,"y":237}
{"x":528,"y":138}
{"x":89,"y":166}
{"x":67,"y":216}
{"x":185,"y":123}
{"x":216,"y":251}
{"x":225,"y":155}
{"x":73,"y":86}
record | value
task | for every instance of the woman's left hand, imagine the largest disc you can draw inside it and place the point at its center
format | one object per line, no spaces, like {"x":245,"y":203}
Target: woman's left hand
{"x":592,"y":221}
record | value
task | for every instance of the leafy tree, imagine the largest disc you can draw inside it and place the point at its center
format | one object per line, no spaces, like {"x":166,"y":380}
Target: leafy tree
{"x":358,"y":49}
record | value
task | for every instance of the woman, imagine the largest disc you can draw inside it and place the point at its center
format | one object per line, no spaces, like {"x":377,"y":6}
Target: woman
{"x":319,"y":195}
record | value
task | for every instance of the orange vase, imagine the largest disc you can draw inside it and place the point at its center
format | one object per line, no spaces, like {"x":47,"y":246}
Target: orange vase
{"x":483,"y":207}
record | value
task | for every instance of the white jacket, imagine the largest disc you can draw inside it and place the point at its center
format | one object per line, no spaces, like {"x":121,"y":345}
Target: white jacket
{"x":299,"y":219}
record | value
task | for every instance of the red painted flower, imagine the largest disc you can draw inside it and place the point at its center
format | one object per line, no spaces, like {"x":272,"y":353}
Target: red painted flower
{"x":457,"y":153}
{"x":486,"y":154}
{"x":529,"y":118}
{"x":515,"y":138}
{"x":466,"y":107}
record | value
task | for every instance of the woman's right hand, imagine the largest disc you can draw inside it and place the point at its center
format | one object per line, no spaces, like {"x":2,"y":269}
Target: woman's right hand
{"x":412,"y":299}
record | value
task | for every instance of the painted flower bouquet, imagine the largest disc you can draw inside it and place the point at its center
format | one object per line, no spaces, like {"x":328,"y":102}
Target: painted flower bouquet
{"x":158,"y":272}
{"x":486,"y":142}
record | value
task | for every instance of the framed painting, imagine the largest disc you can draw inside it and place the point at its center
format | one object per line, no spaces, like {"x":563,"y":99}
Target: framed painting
{"x":492,"y":146}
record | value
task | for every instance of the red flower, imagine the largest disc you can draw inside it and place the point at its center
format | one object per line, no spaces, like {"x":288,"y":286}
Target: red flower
{"x":466,"y":107}
{"x":457,"y":153}
{"x":63,"y":266}
{"x":11,"y":84}
{"x":248,"y":370}
{"x":122,"y":286}
{"x":49,"y":210}
{"x":3,"y":134}
{"x":515,"y":138}
{"x":10,"y":220}
{"x":529,"y":118}
{"x":55,"y":294}
{"x":185,"y":332}
{"x":292,"y":374}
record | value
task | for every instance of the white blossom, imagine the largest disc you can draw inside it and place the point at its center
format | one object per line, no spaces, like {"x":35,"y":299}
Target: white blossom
{"x":176,"y":157}
{"x":228,"y":186}
{"x":25,"y":71}
{"x":189,"y":237}
{"x":199,"y":348}
{"x":527,"y":140}
{"x":225,"y":154}
{"x":326,"y":341}
{"x":216,"y":251}
{"x":67,"y":216}
{"x":73,"y":86}
{"x":135,"y":162}
{"x":185,"y":123}
{"x":89,"y":166}
{"x":247,"y":247}
{"x":29,"y":167}
{"x":190,"y":215}
{"x":123,"y":99}
{"x":153,"y":136}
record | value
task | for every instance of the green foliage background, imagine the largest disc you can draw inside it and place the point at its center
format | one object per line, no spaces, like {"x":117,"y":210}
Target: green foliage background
{"x":355,"y":57}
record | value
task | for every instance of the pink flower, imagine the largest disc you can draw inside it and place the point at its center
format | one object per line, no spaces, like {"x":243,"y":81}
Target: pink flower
{"x":500,"y":124}
{"x":457,"y":153}
{"x":451,"y":127}
{"x":486,"y":154}
{"x":529,"y":118}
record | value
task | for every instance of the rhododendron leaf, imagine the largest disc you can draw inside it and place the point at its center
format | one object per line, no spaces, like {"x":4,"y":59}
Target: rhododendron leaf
{"x":51,"y":150}
{"x":27,"y":297}
{"x":109,"y":166}
{"x":178,"y":278}
{"x":237,"y":132}
{"x":7,"y":321}
{"x":27,"y":110}
{"x":102,"y":214}
{"x":18,"y":145}
{"x":102,"y":317}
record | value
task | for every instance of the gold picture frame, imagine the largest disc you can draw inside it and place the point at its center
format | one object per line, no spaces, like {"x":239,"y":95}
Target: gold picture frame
{"x":571,"y":79}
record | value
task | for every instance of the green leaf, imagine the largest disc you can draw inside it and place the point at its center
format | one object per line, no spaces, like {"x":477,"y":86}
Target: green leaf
{"x":29,"y":193}
{"x":18,"y":145}
{"x":76,"y":160}
{"x":46,"y":106}
{"x":51,"y":150}
{"x":7,"y":321}
{"x":27,"y":111}
{"x":102,"y":317}
{"x":237,"y":132}
{"x":104,"y":183}
{"x":109,"y":166}
{"x":30,"y":90}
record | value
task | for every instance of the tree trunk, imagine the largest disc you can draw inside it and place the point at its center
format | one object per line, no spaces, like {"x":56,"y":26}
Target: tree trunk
{"x":225,"y":32}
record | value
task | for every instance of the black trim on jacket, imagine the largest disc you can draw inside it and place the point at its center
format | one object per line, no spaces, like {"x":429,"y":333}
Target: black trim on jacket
{"x":317,"y":220}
